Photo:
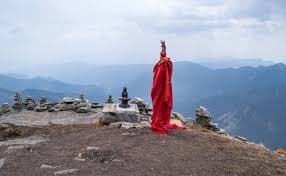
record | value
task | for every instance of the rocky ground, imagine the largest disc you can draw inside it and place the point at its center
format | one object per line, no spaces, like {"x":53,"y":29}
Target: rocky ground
{"x":84,"y":149}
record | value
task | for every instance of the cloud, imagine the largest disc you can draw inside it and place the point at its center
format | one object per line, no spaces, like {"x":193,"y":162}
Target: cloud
{"x":126,"y":31}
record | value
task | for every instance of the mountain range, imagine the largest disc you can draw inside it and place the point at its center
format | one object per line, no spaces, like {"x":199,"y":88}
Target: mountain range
{"x":246,"y":101}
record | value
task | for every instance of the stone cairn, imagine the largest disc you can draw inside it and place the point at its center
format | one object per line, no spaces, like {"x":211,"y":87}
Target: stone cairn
{"x":43,"y":100}
{"x":82,"y":106}
{"x":45,"y":105}
{"x":82,"y":98}
{"x":142,"y":105}
{"x":30,"y":103}
{"x":5,"y":108}
{"x":204,"y":119}
{"x":109,"y":100}
{"x":17,"y":102}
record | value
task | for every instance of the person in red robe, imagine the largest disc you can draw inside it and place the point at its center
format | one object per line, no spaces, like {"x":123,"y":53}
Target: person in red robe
{"x":161,"y":94}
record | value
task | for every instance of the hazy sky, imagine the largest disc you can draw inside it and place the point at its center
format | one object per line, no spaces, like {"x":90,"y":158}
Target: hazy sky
{"x":128,"y":31}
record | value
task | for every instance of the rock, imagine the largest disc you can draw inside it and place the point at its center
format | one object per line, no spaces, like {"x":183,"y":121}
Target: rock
{"x":65,"y":107}
{"x":120,"y":117}
{"x":49,"y":104}
{"x":241,"y":138}
{"x":221,"y":131}
{"x":96,"y":105}
{"x":65,"y":172}
{"x":68,"y":100}
{"x":204,"y":119}
{"x":92,"y":148}
{"x":180,"y":117}
{"x":203,"y":112}
{"x":83,"y":110}
{"x":128,"y":125}
{"x":142,"y":105}
{"x":41,"y":109}
{"x":116,"y":124}
{"x":145,"y":124}
{"x":45,"y":166}
{"x":2,"y":161}
{"x":53,"y":109}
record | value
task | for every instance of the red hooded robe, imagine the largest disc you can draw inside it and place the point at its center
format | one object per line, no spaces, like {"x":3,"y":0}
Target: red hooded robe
{"x":161,"y":94}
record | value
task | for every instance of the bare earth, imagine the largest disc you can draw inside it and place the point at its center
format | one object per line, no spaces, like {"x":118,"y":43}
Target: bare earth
{"x":112,"y":151}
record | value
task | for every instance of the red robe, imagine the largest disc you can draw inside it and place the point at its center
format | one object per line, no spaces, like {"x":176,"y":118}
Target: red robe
{"x":162,"y":97}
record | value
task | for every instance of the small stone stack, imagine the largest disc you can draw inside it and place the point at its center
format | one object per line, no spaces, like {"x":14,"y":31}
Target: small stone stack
{"x":42,"y":107}
{"x":5,"y":108}
{"x":142,"y":105}
{"x":30,"y":103}
{"x":17,"y":102}
{"x":82,"y":106}
{"x":109,"y":100}
{"x":82,"y":98}
{"x":43,"y":100}
{"x":204,"y":119}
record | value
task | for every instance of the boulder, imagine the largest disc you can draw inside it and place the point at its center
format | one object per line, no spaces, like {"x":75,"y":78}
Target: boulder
{"x":204,"y":119}
{"x":68,"y":100}
{"x":203,"y":112}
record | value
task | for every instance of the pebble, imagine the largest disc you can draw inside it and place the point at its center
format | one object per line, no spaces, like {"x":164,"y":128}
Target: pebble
{"x":92,"y":148}
{"x":45,"y":166}
{"x":65,"y":172}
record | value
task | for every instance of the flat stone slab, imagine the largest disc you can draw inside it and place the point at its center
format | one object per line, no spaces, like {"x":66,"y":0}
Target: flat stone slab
{"x":109,"y":107}
{"x":133,"y":108}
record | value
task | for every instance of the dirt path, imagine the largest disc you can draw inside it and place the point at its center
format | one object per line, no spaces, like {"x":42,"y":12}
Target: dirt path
{"x":111,"y":151}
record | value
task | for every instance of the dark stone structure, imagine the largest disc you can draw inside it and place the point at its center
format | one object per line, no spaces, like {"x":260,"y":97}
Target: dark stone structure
{"x":124,"y":99}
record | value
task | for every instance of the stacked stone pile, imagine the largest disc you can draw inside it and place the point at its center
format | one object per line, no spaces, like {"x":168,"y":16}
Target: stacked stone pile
{"x":29,"y":103}
{"x":82,"y":106}
{"x":204,"y":119}
{"x":109,"y":100}
{"x":43,"y":100}
{"x":78,"y":105}
{"x":142,"y":105}
{"x":5,"y":108}
{"x":17,"y":102}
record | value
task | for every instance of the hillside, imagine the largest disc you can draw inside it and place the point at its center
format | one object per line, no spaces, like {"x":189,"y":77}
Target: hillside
{"x":85,"y":150}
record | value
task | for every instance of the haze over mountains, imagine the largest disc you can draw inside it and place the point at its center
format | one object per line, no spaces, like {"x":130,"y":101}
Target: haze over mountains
{"x":246,"y":101}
